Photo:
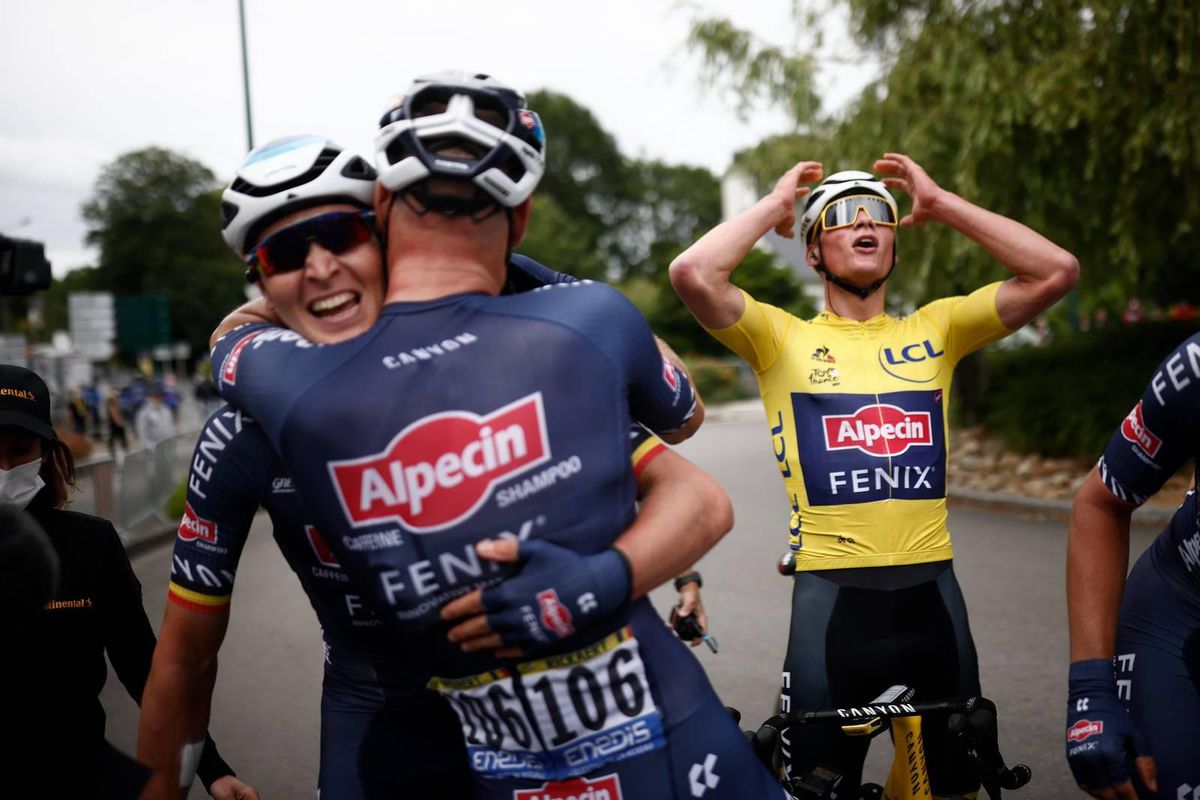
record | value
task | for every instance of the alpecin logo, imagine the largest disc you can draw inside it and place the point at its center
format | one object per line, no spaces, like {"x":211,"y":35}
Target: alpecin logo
{"x":670,"y":376}
{"x":230,"y":365}
{"x":320,"y":549}
{"x":878,"y":430}
{"x":1084,"y":729}
{"x":440,"y":469}
{"x":606,"y":787}
{"x":1133,"y":428}
{"x":193,"y":526}
{"x":555,"y":617}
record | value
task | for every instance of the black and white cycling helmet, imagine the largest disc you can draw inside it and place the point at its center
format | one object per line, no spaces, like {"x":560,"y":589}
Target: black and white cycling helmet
{"x":469,"y":127}
{"x":839,"y":184}
{"x":286,"y":175}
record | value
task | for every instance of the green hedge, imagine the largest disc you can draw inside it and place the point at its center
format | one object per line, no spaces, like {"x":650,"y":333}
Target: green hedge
{"x":720,"y":380}
{"x":1066,"y":398}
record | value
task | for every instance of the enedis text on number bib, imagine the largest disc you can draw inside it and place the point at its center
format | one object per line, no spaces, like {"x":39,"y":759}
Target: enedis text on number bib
{"x":558,"y":717}
{"x":858,"y":422}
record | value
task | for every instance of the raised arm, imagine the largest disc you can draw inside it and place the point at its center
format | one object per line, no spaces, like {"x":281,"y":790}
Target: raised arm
{"x":1042,"y":271}
{"x":701,"y":274}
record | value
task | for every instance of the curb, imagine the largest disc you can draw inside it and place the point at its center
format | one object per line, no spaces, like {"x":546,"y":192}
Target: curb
{"x":752,"y":411}
{"x":148,"y":535}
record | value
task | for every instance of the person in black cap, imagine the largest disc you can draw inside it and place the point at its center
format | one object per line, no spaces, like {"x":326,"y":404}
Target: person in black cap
{"x":55,"y":675}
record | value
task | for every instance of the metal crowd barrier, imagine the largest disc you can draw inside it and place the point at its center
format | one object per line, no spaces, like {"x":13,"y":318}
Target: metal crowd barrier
{"x":131,"y":489}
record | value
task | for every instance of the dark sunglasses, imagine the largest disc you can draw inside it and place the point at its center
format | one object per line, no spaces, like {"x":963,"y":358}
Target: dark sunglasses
{"x":286,"y":250}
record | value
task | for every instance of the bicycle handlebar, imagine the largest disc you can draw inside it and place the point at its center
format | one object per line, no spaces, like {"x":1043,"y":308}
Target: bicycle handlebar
{"x":971,"y":719}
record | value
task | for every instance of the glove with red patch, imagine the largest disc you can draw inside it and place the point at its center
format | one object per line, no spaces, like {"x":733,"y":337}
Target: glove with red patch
{"x":1102,"y":739}
{"x":555,"y":592}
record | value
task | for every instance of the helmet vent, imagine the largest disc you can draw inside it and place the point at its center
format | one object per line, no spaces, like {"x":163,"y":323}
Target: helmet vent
{"x":242,"y":186}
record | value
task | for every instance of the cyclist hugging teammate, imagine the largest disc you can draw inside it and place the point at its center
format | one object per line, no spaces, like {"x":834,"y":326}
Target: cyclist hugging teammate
{"x":428,"y":452}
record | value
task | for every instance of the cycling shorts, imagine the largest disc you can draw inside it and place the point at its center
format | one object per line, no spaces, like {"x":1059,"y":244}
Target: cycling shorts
{"x":383,"y":735}
{"x":856,"y":632}
{"x":1158,"y":674}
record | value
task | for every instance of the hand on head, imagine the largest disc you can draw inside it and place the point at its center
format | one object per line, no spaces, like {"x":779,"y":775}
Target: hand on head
{"x":910,"y":178}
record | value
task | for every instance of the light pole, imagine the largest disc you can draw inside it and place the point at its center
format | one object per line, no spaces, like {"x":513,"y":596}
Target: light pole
{"x":246,"y":77}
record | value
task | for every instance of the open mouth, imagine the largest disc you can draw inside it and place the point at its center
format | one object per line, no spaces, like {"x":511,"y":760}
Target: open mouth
{"x":334,"y":305}
{"x":866,"y":243}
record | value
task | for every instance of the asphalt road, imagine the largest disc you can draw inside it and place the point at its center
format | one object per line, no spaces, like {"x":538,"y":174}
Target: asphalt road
{"x":266,"y":706}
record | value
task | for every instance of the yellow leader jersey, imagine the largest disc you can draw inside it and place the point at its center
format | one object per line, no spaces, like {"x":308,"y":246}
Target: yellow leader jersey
{"x":858,"y":417}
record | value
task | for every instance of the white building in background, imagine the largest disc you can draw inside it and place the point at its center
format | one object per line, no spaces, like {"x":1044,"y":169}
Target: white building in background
{"x":738,"y":193}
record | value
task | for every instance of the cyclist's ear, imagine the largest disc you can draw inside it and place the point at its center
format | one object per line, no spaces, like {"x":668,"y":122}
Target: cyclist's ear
{"x":520,"y":222}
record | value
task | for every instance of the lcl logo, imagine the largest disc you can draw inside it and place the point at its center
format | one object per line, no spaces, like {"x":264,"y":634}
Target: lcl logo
{"x":912,"y":353}
{"x":899,"y":362}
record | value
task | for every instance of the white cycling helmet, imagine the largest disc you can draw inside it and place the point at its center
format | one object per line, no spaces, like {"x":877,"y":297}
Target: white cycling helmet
{"x":841,"y":184}
{"x":465,"y":126}
{"x":851,"y":181}
{"x":286,"y":175}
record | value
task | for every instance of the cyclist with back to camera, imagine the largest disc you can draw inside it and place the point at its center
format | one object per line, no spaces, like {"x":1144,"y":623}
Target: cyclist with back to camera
{"x":431,"y":457}
{"x":1131,"y":721}
{"x":857,"y":404}
{"x":381,"y":730}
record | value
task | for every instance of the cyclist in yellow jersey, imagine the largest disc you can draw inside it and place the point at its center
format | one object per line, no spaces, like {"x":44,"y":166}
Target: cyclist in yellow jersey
{"x":857,"y":401}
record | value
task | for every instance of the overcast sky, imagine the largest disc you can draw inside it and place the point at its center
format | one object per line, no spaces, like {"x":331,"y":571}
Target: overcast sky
{"x":84,"y":81}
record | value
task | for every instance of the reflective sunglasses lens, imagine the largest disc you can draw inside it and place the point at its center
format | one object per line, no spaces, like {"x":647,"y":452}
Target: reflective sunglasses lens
{"x":844,"y":212}
{"x":287,"y":250}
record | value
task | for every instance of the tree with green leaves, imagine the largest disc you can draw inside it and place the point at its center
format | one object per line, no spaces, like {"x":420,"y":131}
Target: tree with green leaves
{"x":1075,"y":117}
{"x":153,"y":215}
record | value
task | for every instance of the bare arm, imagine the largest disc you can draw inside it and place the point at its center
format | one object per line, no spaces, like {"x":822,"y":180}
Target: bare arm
{"x":683,"y":513}
{"x":1097,"y":560}
{"x":175,"y":703}
{"x":701,"y":274}
{"x":258,"y":310}
{"x":1042,"y":271}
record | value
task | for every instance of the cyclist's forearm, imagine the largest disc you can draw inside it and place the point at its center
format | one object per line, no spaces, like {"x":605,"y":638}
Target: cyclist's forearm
{"x":1097,"y":560}
{"x":250,"y":312}
{"x":175,"y":710}
{"x":683,"y":513}
{"x":1023,"y":251}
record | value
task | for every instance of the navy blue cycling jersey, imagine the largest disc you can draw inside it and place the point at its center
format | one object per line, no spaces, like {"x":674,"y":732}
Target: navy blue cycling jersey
{"x":440,"y":427}
{"x":1159,"y":435}
{"x":234,"y":472}
{"x":447,"y":417}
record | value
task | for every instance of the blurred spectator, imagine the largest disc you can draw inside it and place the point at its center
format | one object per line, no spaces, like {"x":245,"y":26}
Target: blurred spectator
{"x":1183,"y":311}
{"x":1101,"y":318}
{"x":154,"y":421}
{"x":91,"y":400}
{"x":77,"y":414}
{"x":1133,"y":313}
{"x":116,"y":422}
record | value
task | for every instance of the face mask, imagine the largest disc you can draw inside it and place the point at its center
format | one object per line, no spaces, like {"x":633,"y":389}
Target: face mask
{"x":19,"y":484}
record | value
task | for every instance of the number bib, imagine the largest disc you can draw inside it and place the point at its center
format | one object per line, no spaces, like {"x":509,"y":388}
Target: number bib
{"x":558,"y":717}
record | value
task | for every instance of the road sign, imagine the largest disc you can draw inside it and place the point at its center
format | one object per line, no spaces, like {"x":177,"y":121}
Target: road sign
{"x":93,"y":324}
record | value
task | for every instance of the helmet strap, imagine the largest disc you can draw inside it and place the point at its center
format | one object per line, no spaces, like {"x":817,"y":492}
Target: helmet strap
{"x":862,"y":292}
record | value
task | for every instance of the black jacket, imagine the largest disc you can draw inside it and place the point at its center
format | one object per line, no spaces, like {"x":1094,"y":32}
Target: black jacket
{"x":59,"y":667}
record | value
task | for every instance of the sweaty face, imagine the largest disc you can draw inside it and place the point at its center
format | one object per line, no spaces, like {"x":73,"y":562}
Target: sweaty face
{"x":860,"y":253}
{"x":333,"y":297}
